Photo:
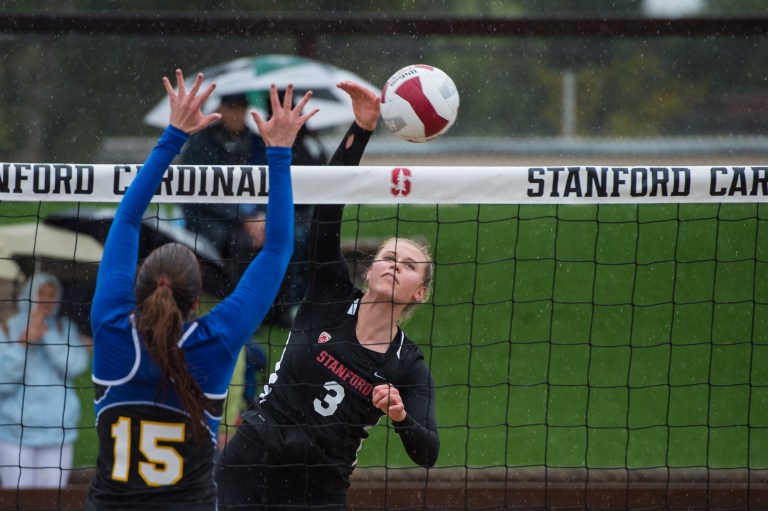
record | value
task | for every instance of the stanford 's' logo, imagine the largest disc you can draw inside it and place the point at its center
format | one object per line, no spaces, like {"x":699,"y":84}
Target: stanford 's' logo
{"x":401,"y":182}
{"x":324,"y":337}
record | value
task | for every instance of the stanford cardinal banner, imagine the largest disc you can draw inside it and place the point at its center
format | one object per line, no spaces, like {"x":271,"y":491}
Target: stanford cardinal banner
{"x":60,"y":182}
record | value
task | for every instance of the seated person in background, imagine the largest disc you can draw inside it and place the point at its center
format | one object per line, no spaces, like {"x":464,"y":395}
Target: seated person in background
{"x":237,"y":230}
{"x":40,"y":355}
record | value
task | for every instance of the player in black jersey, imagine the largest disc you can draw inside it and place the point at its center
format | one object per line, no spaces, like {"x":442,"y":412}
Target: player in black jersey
{"x":345,"y":365}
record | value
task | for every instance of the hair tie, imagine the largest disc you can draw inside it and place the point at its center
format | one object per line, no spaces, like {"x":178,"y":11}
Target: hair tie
{"x":163,"y":282}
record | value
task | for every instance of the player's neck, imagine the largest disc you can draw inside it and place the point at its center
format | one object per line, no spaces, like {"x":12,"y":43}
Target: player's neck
{"x":377,"y":324}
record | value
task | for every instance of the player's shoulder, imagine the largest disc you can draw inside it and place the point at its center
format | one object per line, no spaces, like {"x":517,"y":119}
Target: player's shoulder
{"x":205,"y":337}
{"x":411,"y":365}
{"x":409,"y":349}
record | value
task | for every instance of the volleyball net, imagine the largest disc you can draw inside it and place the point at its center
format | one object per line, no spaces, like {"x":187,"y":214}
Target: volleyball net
{"x":598,"y":335}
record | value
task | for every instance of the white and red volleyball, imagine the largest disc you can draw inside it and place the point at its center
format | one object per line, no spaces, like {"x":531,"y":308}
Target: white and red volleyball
{"x":419,"y":103}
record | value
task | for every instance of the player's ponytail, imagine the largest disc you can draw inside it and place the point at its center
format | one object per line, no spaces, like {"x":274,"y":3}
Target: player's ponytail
{"x":167,"y":287}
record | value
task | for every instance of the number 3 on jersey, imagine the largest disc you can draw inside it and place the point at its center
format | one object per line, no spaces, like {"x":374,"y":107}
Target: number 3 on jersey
{"x":164,"y":465}
{"x":331,"y":400}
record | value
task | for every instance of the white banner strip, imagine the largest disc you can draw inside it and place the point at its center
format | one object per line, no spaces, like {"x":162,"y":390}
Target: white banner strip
{"x":55,"y":182}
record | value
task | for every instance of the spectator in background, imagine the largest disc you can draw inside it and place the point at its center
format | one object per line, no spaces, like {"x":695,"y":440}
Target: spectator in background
{"x":40,"y":355}
{"x":237,"y":230}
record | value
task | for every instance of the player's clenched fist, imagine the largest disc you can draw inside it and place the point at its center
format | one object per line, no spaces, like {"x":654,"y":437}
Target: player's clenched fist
{"x":387,"y":399}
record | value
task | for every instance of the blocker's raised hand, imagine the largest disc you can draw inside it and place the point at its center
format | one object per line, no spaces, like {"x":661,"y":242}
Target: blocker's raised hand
{"x":285,"y":123}
{"x":186,"y":107}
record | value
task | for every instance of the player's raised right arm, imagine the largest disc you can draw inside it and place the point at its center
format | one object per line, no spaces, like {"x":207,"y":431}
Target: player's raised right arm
{"x":114,"y":285}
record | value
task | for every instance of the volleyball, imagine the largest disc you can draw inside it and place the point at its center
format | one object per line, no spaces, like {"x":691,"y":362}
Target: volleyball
{"x":419,"y":103}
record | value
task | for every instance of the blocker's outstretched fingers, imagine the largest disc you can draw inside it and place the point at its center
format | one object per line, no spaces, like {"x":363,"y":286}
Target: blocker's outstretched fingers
{"x":259,"y":121}
{"x":180,"y":85}
{"x":303,"y":101}
{"x":186,"y":109}
{"x":302,"y":104}
{"x":274,"y":100}
{"x":282,"y":128}
{"x":196,"y":84}
{"x":168,"y":87}
{"x":288,"y":98}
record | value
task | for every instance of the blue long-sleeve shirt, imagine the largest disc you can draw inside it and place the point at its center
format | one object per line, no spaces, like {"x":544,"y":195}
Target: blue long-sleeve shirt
{"x":127,"y":378}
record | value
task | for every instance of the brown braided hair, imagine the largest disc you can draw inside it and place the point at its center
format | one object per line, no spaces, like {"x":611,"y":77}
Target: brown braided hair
{"x":167,"y":287}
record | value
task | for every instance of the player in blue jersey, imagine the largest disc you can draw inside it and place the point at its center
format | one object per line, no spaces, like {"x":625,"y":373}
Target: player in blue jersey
{"x":161,"y":375}
{"x":346,"y":365}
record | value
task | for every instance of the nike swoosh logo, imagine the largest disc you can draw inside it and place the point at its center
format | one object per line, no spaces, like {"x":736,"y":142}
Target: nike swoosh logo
{"x":377,"y":375}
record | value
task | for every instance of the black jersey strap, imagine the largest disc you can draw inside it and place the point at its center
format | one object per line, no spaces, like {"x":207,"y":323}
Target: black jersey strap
{"x":401,"y":342}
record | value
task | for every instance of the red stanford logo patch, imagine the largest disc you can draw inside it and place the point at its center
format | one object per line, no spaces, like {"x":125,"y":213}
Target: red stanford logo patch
{"x":401,"y":182}
{"x":324,"y":337}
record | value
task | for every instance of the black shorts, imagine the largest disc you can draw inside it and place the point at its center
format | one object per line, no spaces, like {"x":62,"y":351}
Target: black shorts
{"x":251,"y":477}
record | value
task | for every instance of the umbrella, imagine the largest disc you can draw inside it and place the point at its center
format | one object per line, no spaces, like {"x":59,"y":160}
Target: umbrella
{"x":10,"y":274}
{"x":9,"y":269}
{"x":72,"y":257}
{"x":42,"y":241}
{"x":154,"y":233}
{"x":254,"y":75}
